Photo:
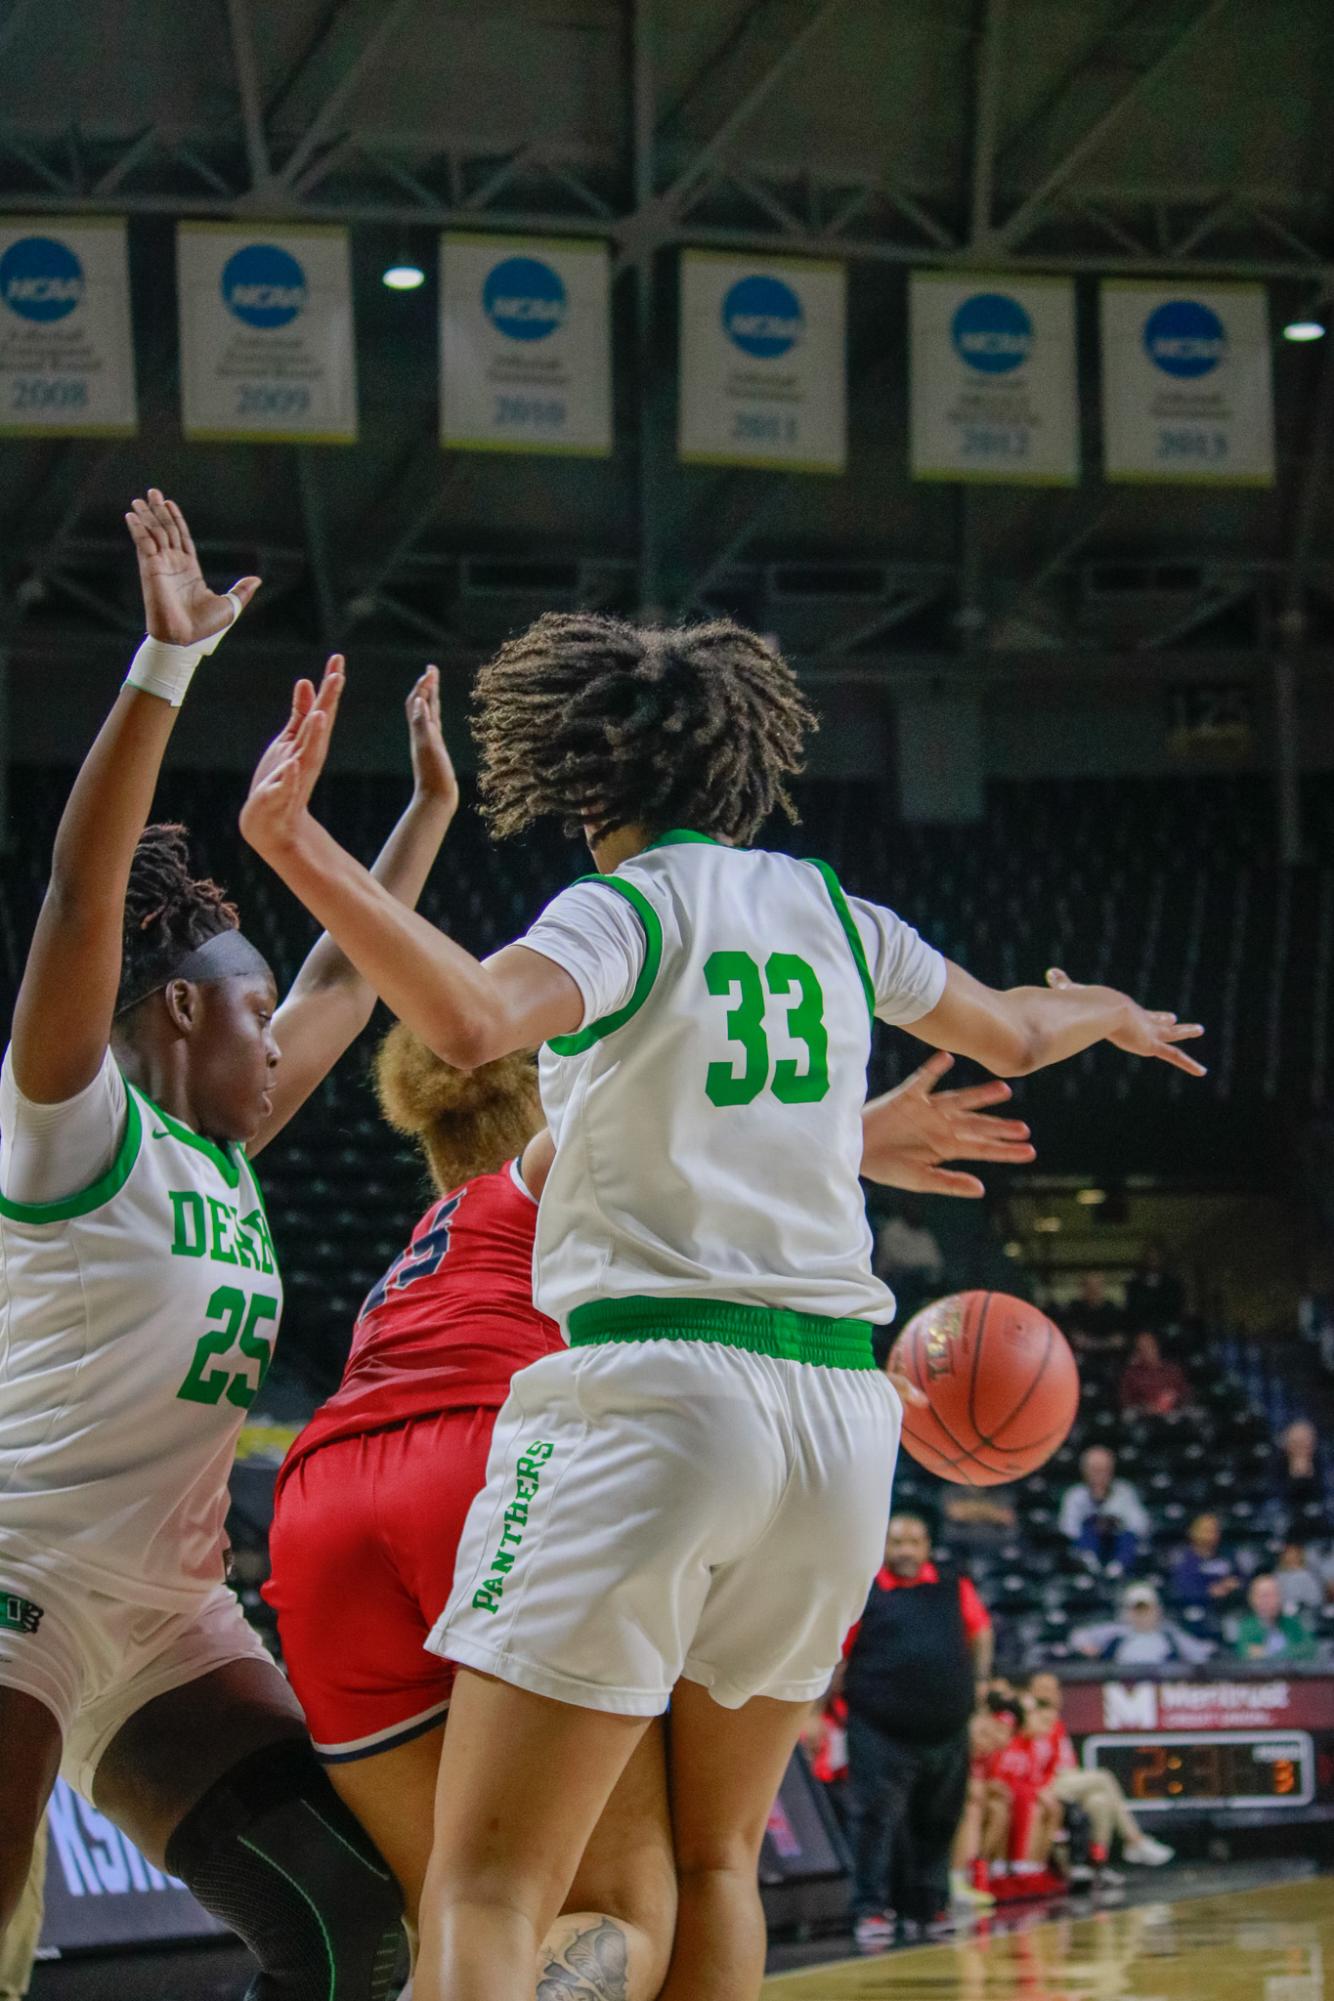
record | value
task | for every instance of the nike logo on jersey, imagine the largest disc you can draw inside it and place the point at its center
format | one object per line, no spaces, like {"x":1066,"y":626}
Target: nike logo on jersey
{"x":161,"y":1134}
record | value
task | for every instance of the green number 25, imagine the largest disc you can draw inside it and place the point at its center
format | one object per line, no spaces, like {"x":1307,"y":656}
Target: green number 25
{"x":726,"y":973}
{"x":240,"y":1319}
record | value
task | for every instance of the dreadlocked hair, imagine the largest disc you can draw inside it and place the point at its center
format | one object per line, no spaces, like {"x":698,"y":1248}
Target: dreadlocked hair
{"x":168,"y":911}
{"x":465,"y":1122}
{"x":608,"y":725}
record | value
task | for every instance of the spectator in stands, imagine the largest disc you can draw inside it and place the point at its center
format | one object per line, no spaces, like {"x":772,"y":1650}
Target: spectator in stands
{"x":1267,"y":1632}
{"x":1155,"y":1297}
{"x":1093,"y":1321}
{"x":912,"y":1666}
{"x":1301,"y":1488}
{"x":1097,"y":1793}
{"x":1141,"y":1637}
{"x":1102,"y":1516}
{"x":1299,"y":1582}
{"x":1320,"y":1559}
{"x":1205,"y":1574}
{"x":1151,"y":1387}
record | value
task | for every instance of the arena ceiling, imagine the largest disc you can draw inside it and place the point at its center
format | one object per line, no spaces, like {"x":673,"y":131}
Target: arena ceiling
{"x":1084,"y":136}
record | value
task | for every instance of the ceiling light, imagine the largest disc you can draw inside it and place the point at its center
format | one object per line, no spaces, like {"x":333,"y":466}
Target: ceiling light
{"x":1303,"y":330}
{"x":1048,"y":1225}
{"x":404,"y":277}
{"x":1013,"y":1250}
{"x":1090,"y":1198}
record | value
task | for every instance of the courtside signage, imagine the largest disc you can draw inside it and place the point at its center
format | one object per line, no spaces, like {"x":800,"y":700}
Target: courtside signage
{"x":267,"y":343}
{"x":525,"y":345}
{"x":763,"y":363}
{"x":994,"y":394}
{"x":66,"y":350}
{"x":1186,"y":385}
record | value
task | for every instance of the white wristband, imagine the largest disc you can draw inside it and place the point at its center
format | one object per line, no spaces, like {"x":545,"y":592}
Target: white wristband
{"x":161,"y":669}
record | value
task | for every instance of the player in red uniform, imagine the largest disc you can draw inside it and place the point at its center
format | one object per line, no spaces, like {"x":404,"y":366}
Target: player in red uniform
{"x":372,"y":1497}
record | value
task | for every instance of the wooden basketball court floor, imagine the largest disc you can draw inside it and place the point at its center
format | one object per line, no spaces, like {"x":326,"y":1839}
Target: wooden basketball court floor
{"x":1270,"y":1944}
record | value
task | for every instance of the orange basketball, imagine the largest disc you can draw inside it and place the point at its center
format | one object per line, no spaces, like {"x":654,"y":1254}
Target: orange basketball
{"x":1001,"y":1383}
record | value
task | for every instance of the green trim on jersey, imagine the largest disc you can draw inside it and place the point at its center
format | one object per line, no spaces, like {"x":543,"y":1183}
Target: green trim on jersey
{"x":227,"y":1163}
{"x":677,"y":837}
{"x":758,"y":1330}
{"x":574,"y":1045}
{"x":853,"y":935}
{"x":100,"y":1191}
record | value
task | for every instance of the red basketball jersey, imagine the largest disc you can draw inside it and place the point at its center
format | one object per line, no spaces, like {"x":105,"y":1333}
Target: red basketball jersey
{"x":451,"y":1320}
{"x":1033,"y":1761}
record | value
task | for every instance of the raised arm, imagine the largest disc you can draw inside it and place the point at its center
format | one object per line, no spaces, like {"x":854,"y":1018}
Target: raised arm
{"x":468,"y":1012}
{"x":1015,"y":1031}
{"x":62,"y":1019}
{"x":330,"y":1003}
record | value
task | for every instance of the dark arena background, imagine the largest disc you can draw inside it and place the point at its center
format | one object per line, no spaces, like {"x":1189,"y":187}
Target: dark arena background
{"x":977,"y":352}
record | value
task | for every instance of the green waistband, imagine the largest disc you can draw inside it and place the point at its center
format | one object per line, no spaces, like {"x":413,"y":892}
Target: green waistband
{"x":759,"y":1330}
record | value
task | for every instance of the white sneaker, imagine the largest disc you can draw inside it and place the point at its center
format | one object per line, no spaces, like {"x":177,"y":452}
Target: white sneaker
{"x":1146,"y":1853}
{"x":966,"y":1896}
{"x":873,"y":1934}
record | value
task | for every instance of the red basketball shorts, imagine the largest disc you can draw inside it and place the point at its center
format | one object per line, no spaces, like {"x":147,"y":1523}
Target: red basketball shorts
{"x":362,"y":1547}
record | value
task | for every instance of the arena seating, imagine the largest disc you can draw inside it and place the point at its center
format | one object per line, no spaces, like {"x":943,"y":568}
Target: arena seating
{"x":1217,"y":1457}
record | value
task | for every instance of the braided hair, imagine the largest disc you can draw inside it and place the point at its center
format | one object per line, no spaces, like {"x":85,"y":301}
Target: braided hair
{"x":168,"y":911}
{"x":608,"y":725}
{"x":465,"y":1122}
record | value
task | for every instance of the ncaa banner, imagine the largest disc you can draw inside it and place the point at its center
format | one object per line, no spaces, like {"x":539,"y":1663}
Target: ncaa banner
{"x":267,"y":351}
{"x":66,"y":351}
{"x":525,"y":345}
{"x":994,"y":393}
{"x":1186,"y":388}
{"x":763,"y":362}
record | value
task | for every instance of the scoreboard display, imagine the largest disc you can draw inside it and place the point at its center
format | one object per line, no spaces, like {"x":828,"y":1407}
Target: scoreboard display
{"x":1213,"y":1769}
{"x":1262,"y":1746}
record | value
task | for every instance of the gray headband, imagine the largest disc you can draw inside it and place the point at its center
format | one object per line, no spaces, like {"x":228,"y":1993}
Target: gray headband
{"x":228,"y":955}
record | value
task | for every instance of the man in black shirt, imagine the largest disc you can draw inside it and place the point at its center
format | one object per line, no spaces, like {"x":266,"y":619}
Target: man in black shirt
{"x":910,"y":1674}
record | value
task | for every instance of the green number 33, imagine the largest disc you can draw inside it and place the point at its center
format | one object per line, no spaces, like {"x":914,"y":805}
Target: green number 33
{"x":726,"y":973}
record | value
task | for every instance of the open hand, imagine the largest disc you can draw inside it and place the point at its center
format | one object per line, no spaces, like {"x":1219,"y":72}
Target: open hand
{"x":908,"y":1133}
{"x":286,"y":775}
{"x":1147,"y":1031}
{"x":179,"y":606}
{"x":432,"y":767}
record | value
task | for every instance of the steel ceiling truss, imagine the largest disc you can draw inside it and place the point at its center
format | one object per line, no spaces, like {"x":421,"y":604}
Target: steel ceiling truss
{"x":1022,"y":203}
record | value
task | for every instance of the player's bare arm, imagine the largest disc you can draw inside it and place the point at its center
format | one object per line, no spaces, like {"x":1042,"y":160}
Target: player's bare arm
{"x":1022,"y":1029}
{"x":62,"y":1019}
{"x":330,"y":1002}
{"x":468,"y":1012}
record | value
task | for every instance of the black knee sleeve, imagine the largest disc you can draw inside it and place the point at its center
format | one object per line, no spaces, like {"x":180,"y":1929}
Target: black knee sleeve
{"x":272,"y":1851}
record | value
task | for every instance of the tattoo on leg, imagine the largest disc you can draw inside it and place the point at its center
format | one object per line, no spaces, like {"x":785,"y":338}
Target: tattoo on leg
{"x":594,"y":1966}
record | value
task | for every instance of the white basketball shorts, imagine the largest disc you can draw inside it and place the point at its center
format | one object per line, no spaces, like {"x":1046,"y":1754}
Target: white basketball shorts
{"x":663,"y":1507}
{"x":95,"y":1660}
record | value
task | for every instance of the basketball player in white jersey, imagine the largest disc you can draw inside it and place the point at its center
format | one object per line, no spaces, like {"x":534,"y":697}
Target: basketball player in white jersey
{"x":139,"y":1303}
{"x":687,"y":1505}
